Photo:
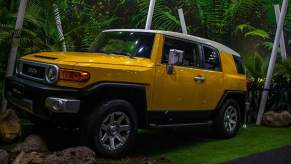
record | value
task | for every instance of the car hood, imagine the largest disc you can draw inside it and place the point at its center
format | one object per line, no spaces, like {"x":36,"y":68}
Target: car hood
{"x":81,"y":57}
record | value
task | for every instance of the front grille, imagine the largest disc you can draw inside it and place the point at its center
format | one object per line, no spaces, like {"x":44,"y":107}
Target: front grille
{"x":33,"y":71}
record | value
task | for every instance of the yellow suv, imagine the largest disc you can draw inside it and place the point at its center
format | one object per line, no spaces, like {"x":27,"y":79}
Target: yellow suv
{"x":133,"y":79}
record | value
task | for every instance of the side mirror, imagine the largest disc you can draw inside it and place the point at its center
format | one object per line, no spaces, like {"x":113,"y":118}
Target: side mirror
{"x":175,"y":58}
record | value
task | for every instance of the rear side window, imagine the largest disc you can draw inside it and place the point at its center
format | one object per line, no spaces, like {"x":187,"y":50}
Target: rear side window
{"x":211,"y":59}
{"x":239,"y":66}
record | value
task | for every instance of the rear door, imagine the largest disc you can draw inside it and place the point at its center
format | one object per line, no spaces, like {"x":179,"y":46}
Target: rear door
{"x":213,"y":84}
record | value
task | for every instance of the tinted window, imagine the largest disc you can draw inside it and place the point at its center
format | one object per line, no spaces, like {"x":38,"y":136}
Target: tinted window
{"x":191,"y":52}
{"x":212,"y":61}
{"x":239,"y":66}
{"x":134,"y":44}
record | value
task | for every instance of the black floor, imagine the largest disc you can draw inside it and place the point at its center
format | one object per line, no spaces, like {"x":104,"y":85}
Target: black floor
{"x":276,"y":156}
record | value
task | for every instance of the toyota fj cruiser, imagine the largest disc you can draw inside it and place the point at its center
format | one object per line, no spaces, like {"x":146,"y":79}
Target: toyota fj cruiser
{"x":133,"y":79}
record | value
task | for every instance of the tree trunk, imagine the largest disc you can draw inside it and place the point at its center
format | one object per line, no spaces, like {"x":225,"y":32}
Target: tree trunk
{"x":14,"y":46}
{"x":59,"y":26}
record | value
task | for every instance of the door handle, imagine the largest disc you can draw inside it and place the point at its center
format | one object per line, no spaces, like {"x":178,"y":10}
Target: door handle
{"x":199,"y":78}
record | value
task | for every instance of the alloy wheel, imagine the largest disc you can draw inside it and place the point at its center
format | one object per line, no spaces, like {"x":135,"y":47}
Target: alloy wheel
{"x":230,"y":118}
{"x":114,"y":131}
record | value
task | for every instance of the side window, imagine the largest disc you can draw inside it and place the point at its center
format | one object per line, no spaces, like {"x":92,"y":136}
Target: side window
{"x":191,"y":52}
{"x":239,"y":66}
{"x":212,"y":61}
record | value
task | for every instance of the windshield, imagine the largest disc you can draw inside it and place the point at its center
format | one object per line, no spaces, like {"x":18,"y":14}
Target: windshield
{"x":132,"y":44}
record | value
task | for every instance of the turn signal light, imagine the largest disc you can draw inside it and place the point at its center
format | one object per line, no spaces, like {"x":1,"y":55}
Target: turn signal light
{"x":73,"y":75}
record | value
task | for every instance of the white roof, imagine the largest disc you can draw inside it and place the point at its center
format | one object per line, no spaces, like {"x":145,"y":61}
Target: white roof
{"x":217,"y":45}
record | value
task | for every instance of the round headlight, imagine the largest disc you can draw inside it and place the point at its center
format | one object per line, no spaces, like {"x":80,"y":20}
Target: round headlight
{"x":52,"y":74}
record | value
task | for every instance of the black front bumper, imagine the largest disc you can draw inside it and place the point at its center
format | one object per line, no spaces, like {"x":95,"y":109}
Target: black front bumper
{"x":30,"y":96}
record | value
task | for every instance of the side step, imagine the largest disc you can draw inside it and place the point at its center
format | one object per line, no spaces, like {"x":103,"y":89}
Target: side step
{"x":181,"y":125}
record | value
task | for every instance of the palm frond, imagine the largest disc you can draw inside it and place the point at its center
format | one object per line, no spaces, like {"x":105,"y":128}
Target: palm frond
{"x":258,"y":33}
{"x":242,"y":28}
{"x":163,"y":18}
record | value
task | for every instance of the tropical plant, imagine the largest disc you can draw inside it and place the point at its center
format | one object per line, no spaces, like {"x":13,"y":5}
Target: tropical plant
{"x":256,"y":66}
{"x":282,"y":75}
{"x":281,"y":87}
{"x":163,"y":18}
{"x":280,"y":90}
{"x":38,"y":30}
{"x":259,"y":38}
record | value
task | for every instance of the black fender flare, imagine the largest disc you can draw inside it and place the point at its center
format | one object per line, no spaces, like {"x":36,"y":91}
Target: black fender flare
{"x":134,"y":93}
{"x":239,"y":96}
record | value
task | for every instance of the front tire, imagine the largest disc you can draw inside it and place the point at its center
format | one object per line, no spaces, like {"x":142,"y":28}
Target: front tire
{"x":111,"y":128}
{"x":227,"y":122}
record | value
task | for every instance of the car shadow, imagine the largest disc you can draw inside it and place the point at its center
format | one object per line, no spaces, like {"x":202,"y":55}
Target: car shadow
{"x":161,"y":141}
{"x":149,"y":143}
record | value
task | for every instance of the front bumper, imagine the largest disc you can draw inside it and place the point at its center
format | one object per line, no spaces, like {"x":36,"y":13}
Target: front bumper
{"x":39,"y":99}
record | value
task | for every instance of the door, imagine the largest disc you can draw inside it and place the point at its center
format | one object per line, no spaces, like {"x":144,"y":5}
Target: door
{"x":183,"y":89}
{"x":213,"y":85}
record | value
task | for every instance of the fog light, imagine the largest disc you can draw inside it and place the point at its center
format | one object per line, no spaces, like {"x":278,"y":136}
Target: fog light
{"x":58,"y":105}
{"x":55,"y":104}
{"x":62,"y":105}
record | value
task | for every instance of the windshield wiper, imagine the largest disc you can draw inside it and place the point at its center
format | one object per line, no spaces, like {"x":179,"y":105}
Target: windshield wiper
{"x":123,"y":53}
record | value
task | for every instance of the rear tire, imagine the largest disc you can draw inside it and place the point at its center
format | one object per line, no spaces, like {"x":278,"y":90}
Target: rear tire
{"x":227,"y":122}
{"x":110,"y":129}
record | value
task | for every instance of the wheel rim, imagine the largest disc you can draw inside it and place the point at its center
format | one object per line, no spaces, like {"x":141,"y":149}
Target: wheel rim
{"x":114,"y":131}
{"x":230,"y":118}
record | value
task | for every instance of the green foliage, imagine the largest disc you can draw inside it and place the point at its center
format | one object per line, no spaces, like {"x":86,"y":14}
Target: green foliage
{"x":258,"y":33}
{"x":250,"y":31}
{"x":243,"y":28}
{"x":163,"y":19}
{"x":282,"y":74}
{"x":83,"y":20}
{"x":268,"y":45}
{"x":256,"y":66}
{"x":259,"y":37}
{"x":233,"y":22}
